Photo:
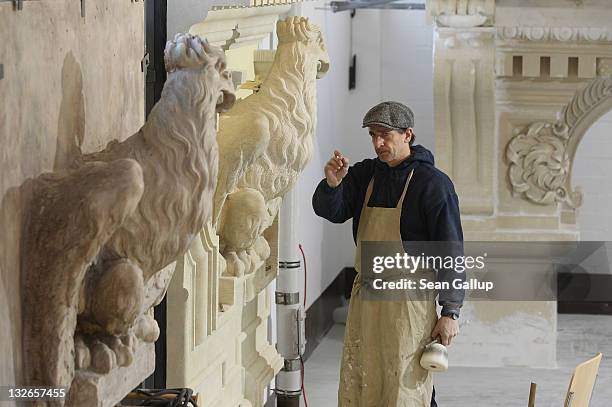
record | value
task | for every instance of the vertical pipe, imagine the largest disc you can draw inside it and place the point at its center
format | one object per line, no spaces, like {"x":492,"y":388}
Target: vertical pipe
{"x":288,"y":381}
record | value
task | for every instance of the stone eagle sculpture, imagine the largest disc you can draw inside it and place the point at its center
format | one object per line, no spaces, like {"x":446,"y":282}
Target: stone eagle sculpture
{"x":98,"y":235}
{"x":266,"y":140}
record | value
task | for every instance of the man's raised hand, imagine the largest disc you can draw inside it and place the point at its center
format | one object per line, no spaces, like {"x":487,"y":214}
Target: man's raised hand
{"x":336,"y":169}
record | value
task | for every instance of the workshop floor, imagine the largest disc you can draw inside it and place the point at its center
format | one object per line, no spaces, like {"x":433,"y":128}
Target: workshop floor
{"x":580,"y":337}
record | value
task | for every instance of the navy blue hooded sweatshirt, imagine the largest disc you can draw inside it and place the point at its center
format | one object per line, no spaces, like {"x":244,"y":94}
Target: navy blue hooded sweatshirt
{"x":430,"y":211}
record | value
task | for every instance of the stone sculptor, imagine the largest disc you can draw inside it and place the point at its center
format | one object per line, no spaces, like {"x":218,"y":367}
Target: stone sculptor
{"x":398,"y":196}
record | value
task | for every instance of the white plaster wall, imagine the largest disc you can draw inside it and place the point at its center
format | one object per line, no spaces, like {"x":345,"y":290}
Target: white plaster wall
{"x":329,"y":247}
{"x":407,"y":67}
{"x":591,"y":172}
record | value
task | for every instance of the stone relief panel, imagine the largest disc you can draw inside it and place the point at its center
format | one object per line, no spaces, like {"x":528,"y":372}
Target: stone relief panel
{"x":52,"y":106}
{"x":539,"y":164}
{"x":102,"y":236}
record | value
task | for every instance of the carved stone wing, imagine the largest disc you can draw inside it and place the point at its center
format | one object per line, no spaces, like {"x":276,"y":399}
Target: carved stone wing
{"x":72,"y":214}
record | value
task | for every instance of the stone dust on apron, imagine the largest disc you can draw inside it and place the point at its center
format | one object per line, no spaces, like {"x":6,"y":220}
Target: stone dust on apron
{"x":384,"y":340}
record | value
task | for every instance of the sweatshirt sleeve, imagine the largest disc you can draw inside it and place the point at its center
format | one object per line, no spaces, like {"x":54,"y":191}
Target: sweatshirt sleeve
{"x":338,"y":204}
{"x":444,"y":227}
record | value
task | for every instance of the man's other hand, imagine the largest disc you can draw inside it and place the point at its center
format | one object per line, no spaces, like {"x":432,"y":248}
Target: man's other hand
{"x":336,"y":169}
{"x":446,"y":328}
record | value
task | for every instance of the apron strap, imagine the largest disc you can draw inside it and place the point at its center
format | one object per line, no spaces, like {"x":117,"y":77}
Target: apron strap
{"x":401,"y":200}
{"x":368,"y":192}
{"x":371,"y":187}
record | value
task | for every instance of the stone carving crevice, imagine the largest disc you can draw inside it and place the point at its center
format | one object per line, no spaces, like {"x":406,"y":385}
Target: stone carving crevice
{"x":540,"y":156}
{"x":100,"y":239}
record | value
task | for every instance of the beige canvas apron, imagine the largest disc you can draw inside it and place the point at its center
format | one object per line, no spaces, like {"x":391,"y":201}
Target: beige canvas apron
{"x":384,"y":340}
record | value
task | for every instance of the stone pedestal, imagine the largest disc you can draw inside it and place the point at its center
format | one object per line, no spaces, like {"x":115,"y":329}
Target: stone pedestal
{"x":106,"y":390}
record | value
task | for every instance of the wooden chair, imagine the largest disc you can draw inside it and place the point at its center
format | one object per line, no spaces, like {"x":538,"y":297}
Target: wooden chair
{"x":582,"y":382}
{"x":580,"y":386}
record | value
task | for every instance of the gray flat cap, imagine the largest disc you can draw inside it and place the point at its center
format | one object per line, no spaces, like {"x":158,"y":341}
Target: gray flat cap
{"x":393,"y":115}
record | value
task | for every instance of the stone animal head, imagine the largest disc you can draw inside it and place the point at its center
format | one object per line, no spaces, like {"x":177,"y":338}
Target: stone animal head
{"x":299,"y":29}
{"x":191,"y":55}
{"x":243,"y":215}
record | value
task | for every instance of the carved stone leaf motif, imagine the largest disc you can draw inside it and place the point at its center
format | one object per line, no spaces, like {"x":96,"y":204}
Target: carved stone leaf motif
{"x":539,"y":158}
{"x":540,"y":164}
{"x":585,"y":100}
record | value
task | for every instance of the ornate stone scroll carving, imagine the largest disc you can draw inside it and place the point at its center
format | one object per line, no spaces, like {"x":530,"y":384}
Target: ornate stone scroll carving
{"x":462,"y":13}
{"x":540,"y":157}
{"x":265,"y":142}
{"x":101,"y":238}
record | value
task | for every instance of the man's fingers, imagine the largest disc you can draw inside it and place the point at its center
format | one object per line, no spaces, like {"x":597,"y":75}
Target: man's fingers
{"x":435,"y":333}
{"x":333,"y":164}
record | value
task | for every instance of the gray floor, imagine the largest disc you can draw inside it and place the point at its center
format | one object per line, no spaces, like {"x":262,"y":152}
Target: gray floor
{"x":580,"y":338}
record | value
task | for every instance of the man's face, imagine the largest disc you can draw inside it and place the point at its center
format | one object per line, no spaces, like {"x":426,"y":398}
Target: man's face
{"x":390,"y":145}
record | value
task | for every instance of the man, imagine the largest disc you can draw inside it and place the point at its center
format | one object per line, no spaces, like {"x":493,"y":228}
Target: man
{"x":399,"y":196}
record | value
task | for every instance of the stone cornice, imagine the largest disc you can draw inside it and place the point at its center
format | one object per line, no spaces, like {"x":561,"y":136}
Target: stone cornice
{"x":239,"y":26}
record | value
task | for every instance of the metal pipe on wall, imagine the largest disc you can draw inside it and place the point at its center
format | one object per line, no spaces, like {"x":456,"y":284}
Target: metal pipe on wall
{"x":290,"y":315}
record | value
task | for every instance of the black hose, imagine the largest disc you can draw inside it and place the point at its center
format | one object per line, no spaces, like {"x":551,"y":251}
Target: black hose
{"x":183,"y":398}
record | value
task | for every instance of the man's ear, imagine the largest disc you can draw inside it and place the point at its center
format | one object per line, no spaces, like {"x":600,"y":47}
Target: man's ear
{"x":409,"y":134}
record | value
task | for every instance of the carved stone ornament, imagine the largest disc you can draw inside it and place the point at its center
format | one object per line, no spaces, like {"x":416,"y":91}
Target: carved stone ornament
{"x":101,"y":238}
{"x":265,"y":141}
{"x":462,"y":13}
{"x":541,"y":156}
{"x":559,"y":34}
{"x":539,"y":163}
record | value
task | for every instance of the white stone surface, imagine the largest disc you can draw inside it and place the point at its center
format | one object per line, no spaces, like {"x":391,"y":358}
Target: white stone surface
{"x":591,"y":173}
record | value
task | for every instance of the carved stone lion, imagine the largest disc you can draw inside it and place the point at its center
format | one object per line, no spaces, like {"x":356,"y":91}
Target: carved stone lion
{"x":266,"y":139}
{"x":98,"y":235}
